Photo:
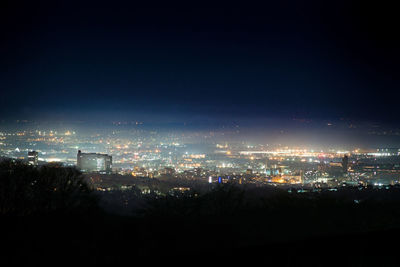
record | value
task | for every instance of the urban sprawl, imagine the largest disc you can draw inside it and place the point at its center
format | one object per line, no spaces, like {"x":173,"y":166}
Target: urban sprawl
{"x":119,"y":159}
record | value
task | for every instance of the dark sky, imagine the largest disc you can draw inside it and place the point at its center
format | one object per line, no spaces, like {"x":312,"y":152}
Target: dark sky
{"x":308,"y":60}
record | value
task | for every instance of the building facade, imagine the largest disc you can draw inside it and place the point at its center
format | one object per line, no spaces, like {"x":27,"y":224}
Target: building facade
{"x":33,"y":158}
{"x":94,"y":162}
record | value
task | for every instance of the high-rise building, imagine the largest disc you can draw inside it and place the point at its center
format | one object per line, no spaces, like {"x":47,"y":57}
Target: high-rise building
{"x":94,"y":162}
{"x":345,"y":163}
{"x":33,"y":158}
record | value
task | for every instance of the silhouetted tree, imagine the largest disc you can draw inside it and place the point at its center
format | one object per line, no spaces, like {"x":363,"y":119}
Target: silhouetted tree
{"x":25,"y":189}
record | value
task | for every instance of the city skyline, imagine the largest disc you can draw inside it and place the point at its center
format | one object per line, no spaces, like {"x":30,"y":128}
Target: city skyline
{"x":268,"y":134}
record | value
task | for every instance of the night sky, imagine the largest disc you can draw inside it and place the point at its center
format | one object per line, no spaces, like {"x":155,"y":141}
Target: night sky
{"x":103,"y":61}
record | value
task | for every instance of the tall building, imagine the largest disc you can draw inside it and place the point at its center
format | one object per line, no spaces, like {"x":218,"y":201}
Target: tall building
{"x":345,"y":163}
{"x":33,"y":158}
{"x":94,"y":162}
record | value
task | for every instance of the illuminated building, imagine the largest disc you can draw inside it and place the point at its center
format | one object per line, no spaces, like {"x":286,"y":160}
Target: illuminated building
{"x":273,"y":171}
{"x":140,"y":172}
{"x":388,"y":151}
{"x":33,"y":157}
{"x":94,"y":162}
{"x":168,"y":171}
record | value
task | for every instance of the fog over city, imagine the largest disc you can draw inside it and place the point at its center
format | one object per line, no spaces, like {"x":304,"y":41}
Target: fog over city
{"x":189,"y":134}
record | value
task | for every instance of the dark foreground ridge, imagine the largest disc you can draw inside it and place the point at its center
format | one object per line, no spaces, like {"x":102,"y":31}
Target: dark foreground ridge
{"x":50,"y":215}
